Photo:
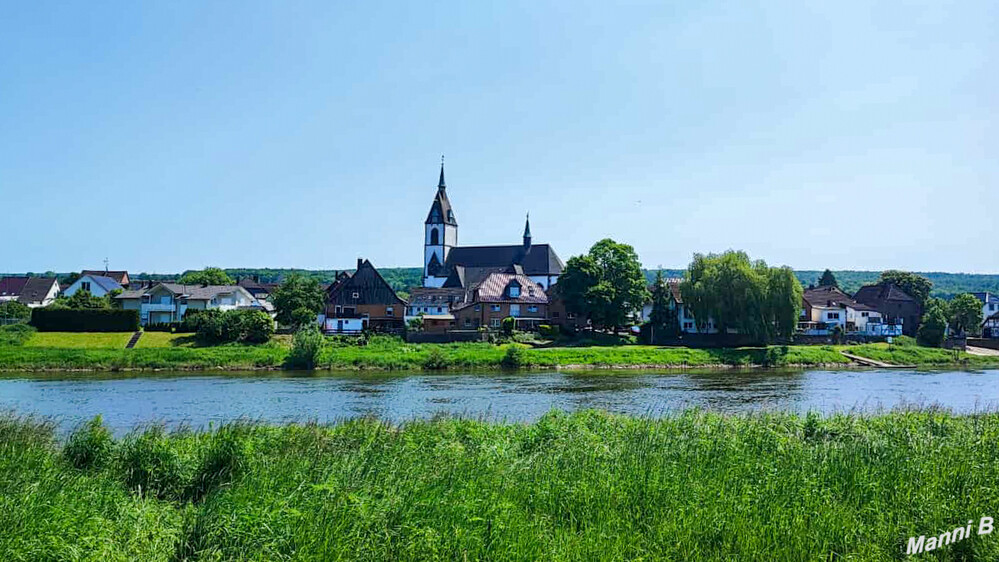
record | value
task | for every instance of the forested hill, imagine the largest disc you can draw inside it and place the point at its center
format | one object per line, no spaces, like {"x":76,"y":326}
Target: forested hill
{"x":945,"y":285}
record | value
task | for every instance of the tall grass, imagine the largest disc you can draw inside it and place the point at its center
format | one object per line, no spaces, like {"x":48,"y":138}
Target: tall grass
{"x":586,"y":486}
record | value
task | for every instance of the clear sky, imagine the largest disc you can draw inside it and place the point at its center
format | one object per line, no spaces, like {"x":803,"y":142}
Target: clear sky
{"x":174,"y":135}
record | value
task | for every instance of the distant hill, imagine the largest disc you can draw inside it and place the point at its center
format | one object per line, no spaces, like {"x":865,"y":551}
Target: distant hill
{"x":945,"y":285}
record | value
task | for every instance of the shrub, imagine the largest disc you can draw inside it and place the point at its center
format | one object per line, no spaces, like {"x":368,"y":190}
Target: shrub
{"x":191,"y":321}
{"x":14,"y":310}
{"x":549,"y":332}
{"x":435,"y":360}
{"x":933,"y":329}
{"x":257,"y":326}
{"x":90,"y":445}
{"x":15,"y":334}
{"x":904,"y":341}
{"x":211,"y":328}
{"x":305,"y":349}
{"x":513,"y":358}
{"x":162,"y":327}
{"x":247,"y":326}
{"x":509,"y":325}
{"x":301,"y":317}
{"x":84,"y":320}
{"x":150,"y":465}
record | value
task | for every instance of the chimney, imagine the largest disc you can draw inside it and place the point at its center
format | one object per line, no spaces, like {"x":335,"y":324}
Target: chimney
{"x":359,"y":262}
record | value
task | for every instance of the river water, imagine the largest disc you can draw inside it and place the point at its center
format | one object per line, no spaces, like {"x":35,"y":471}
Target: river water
{"x":126,"y":401}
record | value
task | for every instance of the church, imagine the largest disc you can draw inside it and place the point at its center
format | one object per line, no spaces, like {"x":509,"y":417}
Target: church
{"x":448,"y":265}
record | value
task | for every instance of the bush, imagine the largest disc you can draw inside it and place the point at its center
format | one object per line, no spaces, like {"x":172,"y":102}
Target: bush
{"x":150,"y":465}
{"x":933,"y":329}
{"x":301,"y":317}
{"x":904,"y":341}
{"x":305,"y":349}
{"x":435,"y":360}
{"x":15,"y":334}
{"x":549,"y":332}
{"x":191,"y":321}
{"x":246,"y":326}
{"x":513,"y":358}
{"x":257,"y":326}
{"x":14,"y":310}
{"x":90,"y":445}
{"x":162,"y":327}
{"x":509,"y":325}
{"x":84,"y":320}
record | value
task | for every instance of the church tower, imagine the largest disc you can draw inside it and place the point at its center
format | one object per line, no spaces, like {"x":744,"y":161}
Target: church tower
{"x":440,"y":236}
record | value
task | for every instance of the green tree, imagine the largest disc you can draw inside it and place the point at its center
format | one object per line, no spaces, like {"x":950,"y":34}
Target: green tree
{"x":933,"y":329}
{"x":744,"y":295}
{"x":83,"y":299}
{"x":965,"y":314}
{"x":916,"y":286}
{"x":14,"y":310}
{"x":207,"y":276}
{"x":298,"y":292}
{"x":606,"y":285}
{"x":828,"y":279}
{"x":663,"y":322}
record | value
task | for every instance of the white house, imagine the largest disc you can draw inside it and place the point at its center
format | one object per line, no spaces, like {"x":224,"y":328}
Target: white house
{"x":825,"y":308}
{"x":168,"y":302}
{"x":30,"y":291}
{"x":97,"y":285}
{"x":990,"y":304}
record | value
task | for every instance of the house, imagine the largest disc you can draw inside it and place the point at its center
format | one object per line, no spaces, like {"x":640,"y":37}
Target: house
{"x":559,"y":315}
{"x":824,"y":308}
{"x":11,"y":287}
{"x":169,"y":302}
{"x":39,"y":291}
{"x":362,"y":300}
{"x":438,"y":323}
{"x":990,"y":303}
{"x":501,"y":295}
{"x":685,"y":319}
{"x":433,"y":301}
{"x":96,"y":285}
{"x":990,"y":327}
{"x":895,"y":305}
{"x":120,"y":277}
{"x":260,"y":291}
{"x":446,"y":264}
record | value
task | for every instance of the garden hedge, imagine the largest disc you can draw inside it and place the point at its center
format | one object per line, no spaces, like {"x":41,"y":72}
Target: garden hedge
{"x":84,"y":320}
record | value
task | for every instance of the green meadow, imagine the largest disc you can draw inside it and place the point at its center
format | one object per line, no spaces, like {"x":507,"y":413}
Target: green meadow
{"x":585,"y":486}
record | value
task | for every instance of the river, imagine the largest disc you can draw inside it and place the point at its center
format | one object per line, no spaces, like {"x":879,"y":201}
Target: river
{"x":126,"y":401}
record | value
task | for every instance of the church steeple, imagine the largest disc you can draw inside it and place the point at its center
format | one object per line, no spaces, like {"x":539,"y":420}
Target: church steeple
{"x":440,"y":235}
{"x":441,"y":184}
{"x":527,"y":231}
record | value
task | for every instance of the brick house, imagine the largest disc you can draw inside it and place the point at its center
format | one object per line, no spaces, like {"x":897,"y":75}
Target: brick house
{"x":500,"y":295}
{"x":895,"y":305}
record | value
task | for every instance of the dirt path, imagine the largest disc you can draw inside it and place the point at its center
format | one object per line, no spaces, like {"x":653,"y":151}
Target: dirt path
{"x":982,"y":351}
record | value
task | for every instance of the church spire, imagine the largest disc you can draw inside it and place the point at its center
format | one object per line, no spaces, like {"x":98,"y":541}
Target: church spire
{"x":527,"y":231}
{"x":441,"y":184}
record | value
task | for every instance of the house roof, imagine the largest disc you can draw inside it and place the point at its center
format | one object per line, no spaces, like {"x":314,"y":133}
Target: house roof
{"x":493,"y":289}
{"x":106,"y":283}
{"x":882,"y":292}
{"x":36,"y":289}
{"x":832,"y":296}
{"x":429,"y":296}
{"x":118,"y":276}
{"x":192,"y":292}
{"x":12,"y":286}
{"x":537,"y":259}
{"x":987,"y":297}
{"x":367,"y":283}
{"x":993,"y":318}
{"x":440,"y":209}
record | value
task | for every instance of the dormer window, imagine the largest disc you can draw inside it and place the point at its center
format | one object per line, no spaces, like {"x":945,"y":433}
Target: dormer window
{"x":514,"y":291}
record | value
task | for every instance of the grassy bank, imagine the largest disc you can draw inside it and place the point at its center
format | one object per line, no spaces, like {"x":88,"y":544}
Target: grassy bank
{"x":158,"y":350}
{"x":587,"y":486}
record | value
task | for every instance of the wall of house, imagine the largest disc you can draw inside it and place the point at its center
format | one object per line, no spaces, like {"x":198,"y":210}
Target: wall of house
{"x":469,"y":318}
{"x":95,"y":289}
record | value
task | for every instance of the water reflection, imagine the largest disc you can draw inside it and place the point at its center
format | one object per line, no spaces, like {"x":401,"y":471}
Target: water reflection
{"x":197,"y":400}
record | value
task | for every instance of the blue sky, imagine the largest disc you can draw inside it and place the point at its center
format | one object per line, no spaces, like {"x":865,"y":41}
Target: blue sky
{"x":169,"y":136}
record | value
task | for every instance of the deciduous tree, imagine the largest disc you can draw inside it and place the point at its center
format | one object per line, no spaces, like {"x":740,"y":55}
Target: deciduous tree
{"x":207,"y":276}
{"x":606,"y":285}
{"x":295,"y":293}
{"x":966,"y":314}
{"x":916,"y":286}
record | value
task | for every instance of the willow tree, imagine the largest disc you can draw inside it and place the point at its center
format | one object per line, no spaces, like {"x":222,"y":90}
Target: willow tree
{"x":743,"y":295}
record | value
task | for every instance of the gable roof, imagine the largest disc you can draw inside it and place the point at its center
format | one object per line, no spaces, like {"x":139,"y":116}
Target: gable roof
{"x":537,"y":259}
{"x":106,"y":283}
{"x":191,"y":292}
{"x":118,"y":276}
{"x":430,"y":296}
{"x":440,"y":209}
{"x":493,"y":289}
{"x":12,"y":286}
{"x":36,"y":289}
{"x":882,"y":292}
{"x":832,"y":296}
{"x":369,"y":285}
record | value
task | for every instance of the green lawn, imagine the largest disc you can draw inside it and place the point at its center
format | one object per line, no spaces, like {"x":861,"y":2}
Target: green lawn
{"x":79,"y":340}
{"x":587,"y":486}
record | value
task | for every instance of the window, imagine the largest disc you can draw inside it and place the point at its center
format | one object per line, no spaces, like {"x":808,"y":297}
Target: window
{"x":145,"y":298}
{"x":532,"y":308}
{"x":389,"y":311}
{"x":478,"y":308}
{"x":434,"y":237}
{"x":85,"y":286}
{"x":863,"y":315}
{"x":355,"y":295}
{"x":514,"y":310}
{"x":440,"y":309}
{"x":494,"y":308}
{"x":688,"y":325}
{"x":514,"y":291}
{"x":832,"y":315}
{"x":468,"y":321}
{"x":495,"y":322}
{"x":555,"y":314}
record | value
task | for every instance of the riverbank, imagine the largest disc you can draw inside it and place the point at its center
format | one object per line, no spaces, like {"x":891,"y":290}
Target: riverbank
{"x":158,"y":351}
{"x":695,"y":486}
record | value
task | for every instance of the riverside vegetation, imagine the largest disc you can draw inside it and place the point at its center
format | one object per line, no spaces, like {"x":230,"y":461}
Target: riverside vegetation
{"x":585,"y":486}
{"x":23,"y":349}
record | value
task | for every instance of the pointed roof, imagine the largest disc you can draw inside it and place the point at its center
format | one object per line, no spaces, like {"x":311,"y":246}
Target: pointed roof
{"x":527,"y":227}
{"x":440,"y":210}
